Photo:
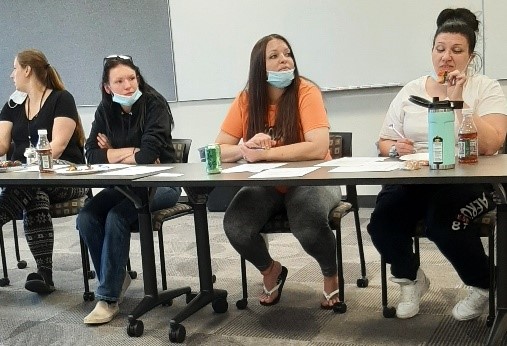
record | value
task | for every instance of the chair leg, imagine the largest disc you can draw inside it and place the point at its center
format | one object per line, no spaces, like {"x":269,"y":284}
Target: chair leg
{"x":342,"y":306}
{"x":243,"y":302}
{"x":87,"y":273}
{"x":21,"y":263}
{"x":363,"y":281}
{"x":162,"y":259}
{"x":132,"y":273}
{"x":492,"y":280}
{"x":5,"y":280}
{"x":387,"y":311}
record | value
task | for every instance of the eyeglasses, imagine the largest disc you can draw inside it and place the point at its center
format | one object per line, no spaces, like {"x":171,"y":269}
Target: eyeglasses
{"x":118,"y":57}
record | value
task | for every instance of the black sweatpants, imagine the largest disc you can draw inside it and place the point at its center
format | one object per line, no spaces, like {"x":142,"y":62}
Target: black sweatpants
{"x":446,"y":210}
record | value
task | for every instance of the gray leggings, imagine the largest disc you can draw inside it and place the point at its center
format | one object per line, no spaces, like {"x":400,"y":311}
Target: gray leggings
{"x":308,"y":209}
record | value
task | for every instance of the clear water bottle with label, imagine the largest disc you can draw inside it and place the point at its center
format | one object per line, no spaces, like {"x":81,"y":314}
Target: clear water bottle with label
{"x":468,"y":144}
{"x":44,"y":153}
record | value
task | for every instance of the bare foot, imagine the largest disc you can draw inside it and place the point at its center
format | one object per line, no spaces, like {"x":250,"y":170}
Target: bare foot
{"x":270,"y":276}
{"x":330,"y":285}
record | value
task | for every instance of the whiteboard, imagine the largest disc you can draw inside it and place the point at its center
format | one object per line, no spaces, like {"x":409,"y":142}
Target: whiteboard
{"x":495,"y":41}
{"x":76,"y":35}
{"x":337,"y":43}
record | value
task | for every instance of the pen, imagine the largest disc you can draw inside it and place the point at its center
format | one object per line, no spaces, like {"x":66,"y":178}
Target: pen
{"x":391,"y":126}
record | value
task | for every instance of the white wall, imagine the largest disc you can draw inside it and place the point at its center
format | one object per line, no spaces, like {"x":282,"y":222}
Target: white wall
{"x":360,"y":112}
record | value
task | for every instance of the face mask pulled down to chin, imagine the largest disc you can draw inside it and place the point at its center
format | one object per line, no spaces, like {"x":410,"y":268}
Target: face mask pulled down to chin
{"x":127,"y":101}
{"x":17,"y":98}
{"x":280,"y":79}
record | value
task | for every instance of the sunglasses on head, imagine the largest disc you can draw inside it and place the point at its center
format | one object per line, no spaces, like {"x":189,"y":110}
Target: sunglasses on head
{"x":118,"y":57}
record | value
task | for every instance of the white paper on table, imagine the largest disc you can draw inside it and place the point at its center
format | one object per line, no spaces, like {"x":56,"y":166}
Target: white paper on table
{"x":284,"y":172}
{"x":371,"y":167}
{"x":169,"y":175}
{"x":134,"y":170}
{"x":351,"y":161}
{"x":252,"y":167}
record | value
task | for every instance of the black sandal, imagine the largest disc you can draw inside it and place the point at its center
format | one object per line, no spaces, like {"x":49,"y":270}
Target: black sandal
{"x":279,"y":287}
{"x":35,"y":282}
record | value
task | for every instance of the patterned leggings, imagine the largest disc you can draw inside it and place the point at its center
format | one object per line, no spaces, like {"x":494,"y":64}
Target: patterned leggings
{"x":34,"y":203}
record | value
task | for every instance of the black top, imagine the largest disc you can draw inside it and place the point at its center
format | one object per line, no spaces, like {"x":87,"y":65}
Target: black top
{"x":58,"y":104}
{"x":151,"y":132}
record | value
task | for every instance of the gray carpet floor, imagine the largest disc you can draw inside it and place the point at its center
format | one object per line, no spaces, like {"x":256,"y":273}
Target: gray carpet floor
{"x":57,"y":319}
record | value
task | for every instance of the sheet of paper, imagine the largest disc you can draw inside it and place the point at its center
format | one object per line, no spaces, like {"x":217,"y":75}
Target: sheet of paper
{"x":134,"y":170}
{"x":284,"y":172}
{"x":351,"y":161}
{"x":169,"y":175}
{"x":371,"y":167}
{"x":252,"y":167}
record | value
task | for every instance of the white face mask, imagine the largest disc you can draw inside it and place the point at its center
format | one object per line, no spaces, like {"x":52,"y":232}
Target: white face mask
{"x":17,"y":97}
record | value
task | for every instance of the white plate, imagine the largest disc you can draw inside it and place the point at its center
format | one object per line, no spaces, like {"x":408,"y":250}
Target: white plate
{"x":416,"y":157}
{"x":79,"y":170}
{"x":11,"y":169}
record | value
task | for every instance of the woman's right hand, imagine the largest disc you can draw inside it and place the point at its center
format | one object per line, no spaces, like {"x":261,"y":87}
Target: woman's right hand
{"x":103,"y":141}
{"x":404,"y":146}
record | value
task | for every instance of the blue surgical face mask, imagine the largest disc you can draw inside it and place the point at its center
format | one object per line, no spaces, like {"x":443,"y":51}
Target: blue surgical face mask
{"x":280,"y":79}
{"x":127,"y":101}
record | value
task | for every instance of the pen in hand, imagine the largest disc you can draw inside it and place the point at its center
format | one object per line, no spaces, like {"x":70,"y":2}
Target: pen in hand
{"x":391,"y":126}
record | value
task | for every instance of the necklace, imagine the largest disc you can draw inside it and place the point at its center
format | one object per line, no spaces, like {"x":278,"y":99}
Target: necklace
{"x":28,"y":113}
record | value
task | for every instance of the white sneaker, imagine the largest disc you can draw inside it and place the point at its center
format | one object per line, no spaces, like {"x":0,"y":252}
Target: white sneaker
{"x":124,"y":287}
{"x":472,"y":306}
{"x":411,"y":293}
{"x":102,"y":313}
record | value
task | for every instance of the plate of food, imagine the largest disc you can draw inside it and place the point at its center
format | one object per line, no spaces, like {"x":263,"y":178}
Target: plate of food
{"x":10,"y":166}
{"x":416,"y":157}
{"x":78,"y":170}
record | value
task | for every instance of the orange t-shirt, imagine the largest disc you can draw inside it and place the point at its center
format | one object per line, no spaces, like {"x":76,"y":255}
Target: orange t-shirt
{"x":311,"y":109}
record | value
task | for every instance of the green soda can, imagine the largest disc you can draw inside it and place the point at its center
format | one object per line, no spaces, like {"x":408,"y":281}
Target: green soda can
{"x":213,"y":159}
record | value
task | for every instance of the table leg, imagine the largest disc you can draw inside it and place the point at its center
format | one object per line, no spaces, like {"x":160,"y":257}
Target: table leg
{"x":207,"y":294}
{"x":498,"y":334}
{"x":152,"y":298}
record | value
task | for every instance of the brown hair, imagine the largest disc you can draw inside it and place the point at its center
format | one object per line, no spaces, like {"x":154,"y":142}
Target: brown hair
{"x":42,"y":70}
{"x":287,"y":124}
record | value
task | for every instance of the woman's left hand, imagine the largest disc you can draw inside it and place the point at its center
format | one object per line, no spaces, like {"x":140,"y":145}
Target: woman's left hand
{"x":455,"y":82}
{"x":103,"y":141}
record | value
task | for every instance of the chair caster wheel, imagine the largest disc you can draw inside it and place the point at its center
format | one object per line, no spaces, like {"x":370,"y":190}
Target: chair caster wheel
{"x":88,"y":296}
{"x":340,"y":308}
{"x":190,"y":296}
{"x":220,"y":305}
{"x":133,"y":274}
{"x":362,"y":283}
{"x":91,"y":274}
{"x":242,"y":304}
{"x":4,"y":282}
{"x":168,"y":303}
{"x":389,"y":312}
{"x":135,"y":328}
{"x":177,"y":333}
{"x":22,"y":264}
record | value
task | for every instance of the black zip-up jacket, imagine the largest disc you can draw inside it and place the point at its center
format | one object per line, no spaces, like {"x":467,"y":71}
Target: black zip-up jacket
{"x":151,"y":133}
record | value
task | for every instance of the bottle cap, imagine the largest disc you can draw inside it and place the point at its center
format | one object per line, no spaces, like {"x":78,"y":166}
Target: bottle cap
{"x":42,"y":132}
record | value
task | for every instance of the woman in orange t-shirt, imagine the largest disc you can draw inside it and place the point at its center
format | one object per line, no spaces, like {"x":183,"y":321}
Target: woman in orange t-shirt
{"x":280,"y":116}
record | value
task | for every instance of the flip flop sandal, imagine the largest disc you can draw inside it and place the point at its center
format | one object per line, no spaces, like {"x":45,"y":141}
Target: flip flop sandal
{"x":35,"y":283}
{"x":278,"y":288}
{"x":328,"y":298}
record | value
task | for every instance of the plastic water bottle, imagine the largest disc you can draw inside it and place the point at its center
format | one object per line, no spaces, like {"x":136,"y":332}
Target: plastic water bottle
{"x":44,"y":152}
{"x":468,"y":144}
